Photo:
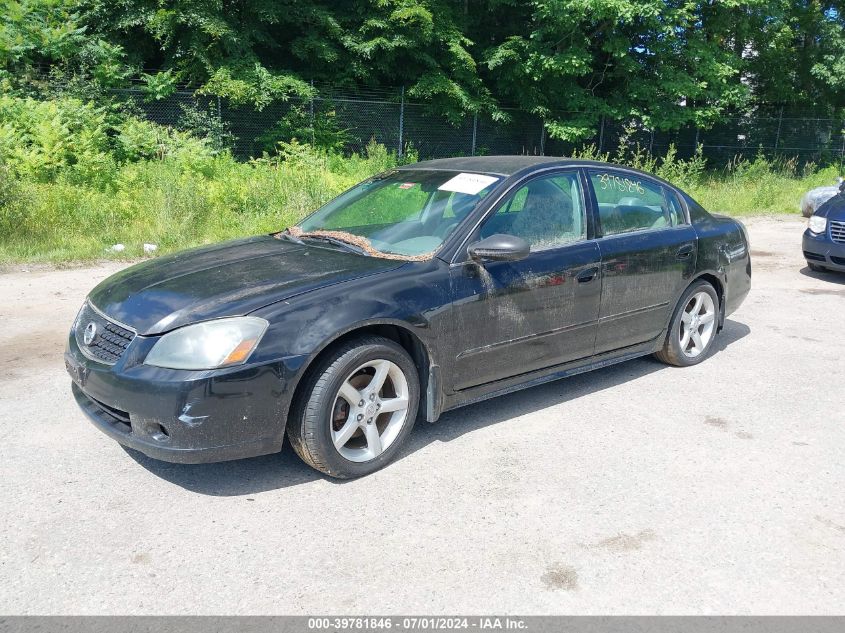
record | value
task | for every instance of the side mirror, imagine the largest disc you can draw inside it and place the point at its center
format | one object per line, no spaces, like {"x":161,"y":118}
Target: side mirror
{"x":499,"y":248}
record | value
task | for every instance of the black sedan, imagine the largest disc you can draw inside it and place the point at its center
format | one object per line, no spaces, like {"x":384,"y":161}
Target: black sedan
{"x":420,"y":290}
{"x":824,"y":239}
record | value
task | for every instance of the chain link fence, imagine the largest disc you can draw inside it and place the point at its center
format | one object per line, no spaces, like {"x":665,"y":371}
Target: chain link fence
{"x":350,"y":120}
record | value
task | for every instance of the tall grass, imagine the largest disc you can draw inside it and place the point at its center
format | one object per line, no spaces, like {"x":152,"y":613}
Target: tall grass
{"x":170,"y":204}
{"x":743,"y":187}
{"x":759,"y":187}
{"x":76,"y":179}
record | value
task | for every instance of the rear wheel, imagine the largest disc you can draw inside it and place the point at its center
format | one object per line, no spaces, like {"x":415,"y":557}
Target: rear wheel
{"x":356,"y":408}
{"x":694,"y":325}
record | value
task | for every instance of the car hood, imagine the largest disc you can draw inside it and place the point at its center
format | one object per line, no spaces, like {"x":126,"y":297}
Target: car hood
{"x":228,"y":279}
{"x":833,"y":209}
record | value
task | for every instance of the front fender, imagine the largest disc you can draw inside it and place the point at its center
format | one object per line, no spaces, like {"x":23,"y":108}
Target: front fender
{"x":414,"y":298}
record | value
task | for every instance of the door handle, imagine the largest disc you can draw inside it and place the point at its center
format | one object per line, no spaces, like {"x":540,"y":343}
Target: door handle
{"x":586,"y":276}
{"x":685,"y":251}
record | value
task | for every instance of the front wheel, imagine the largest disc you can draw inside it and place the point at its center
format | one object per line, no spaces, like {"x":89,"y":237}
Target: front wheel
{"x":356,"y":408}
{"x":816,"y":268}
{"x":693,"y":329}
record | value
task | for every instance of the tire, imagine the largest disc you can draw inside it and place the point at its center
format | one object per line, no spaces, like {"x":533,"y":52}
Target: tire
{"x":681,"y":348}
{"x":816,"y":268}
{"x":341,"y":438}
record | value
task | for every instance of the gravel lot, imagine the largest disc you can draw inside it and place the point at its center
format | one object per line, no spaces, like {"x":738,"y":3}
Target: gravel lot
{"x":635,"y":489}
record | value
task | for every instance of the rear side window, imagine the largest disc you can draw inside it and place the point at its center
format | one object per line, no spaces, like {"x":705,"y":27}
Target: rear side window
{"x":629,"y":203}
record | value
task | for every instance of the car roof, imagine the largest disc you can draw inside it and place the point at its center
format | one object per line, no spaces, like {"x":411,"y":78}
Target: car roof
{"x":504,"y":165}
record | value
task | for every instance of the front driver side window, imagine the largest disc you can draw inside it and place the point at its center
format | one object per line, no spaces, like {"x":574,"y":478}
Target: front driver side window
{"x":629,"y":203}
{"x":546,"y":212}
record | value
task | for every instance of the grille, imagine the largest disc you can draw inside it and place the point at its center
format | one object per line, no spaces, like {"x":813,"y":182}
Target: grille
{"x":110,"y":339}
{"x":837,"y":232}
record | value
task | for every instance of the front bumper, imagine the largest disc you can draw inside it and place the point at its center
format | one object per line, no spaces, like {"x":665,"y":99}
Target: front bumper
{"x":184,"y":416}
{"x":157,"y":445}
{"x":823,"y":251}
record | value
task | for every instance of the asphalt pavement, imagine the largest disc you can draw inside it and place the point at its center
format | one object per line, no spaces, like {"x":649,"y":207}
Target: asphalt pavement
{"x":636,"y":489}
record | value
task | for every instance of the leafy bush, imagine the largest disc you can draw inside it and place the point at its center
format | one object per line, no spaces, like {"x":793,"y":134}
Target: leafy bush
{"x":43,"y":139}
{"x":207,"y":124}
{"x":69,"y":140}
{"x":76,"y":178}
{"x":685,"y":173}
{"x":168,"y":188}
{"x":298,"y":124}
{"x":137,"y":139}
{"x":158,"y":86}
{"x":254,"y":85}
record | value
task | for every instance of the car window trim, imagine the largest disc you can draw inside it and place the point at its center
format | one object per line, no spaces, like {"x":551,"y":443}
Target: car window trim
{"x":667,"y":191}
{"x":642,"y":231}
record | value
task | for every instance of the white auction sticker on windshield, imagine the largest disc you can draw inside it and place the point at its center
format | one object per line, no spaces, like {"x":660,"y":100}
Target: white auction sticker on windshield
{"x":468,"y":183}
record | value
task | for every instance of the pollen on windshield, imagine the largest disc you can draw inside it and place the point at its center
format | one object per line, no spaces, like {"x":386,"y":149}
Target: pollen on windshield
{"x":357,"y":240}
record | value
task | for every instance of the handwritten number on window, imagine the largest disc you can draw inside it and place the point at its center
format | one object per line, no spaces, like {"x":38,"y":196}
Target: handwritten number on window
{"x":616,"y":183}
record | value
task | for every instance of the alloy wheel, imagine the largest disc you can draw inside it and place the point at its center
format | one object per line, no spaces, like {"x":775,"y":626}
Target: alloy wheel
{"x":370,"y":410}
{"x":698,"y":324}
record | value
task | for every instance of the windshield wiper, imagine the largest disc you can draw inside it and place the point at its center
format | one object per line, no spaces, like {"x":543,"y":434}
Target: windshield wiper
{"x":290,"y":236}
{"x":333,"y":240}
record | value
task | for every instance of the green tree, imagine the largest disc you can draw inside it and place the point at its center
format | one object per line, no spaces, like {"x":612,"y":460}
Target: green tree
{"x":256,"y":51}
{"x":795,"y":54}
{"x":42,"y":36}
{"x":661,"y":64}
{"x":573,"y":61}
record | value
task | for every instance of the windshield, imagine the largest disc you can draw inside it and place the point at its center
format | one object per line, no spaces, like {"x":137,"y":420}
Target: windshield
{"x":405,"y":213}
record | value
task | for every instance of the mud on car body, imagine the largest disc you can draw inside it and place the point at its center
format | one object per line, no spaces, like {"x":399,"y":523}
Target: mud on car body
{"x":420,"y":290}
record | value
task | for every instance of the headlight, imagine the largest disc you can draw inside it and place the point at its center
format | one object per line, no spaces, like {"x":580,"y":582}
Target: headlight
{"x":208,"y":345}
{"x":818,"y":224}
